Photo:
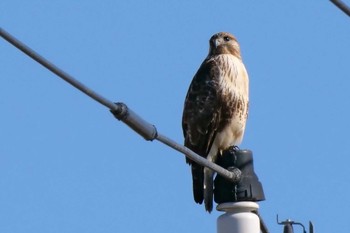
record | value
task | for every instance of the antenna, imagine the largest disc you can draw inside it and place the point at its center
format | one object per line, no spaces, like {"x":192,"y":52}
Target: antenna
{"x":288,"y":226}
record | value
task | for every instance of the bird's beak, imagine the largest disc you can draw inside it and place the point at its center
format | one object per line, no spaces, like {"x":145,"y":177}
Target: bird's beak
{"x":216,"y":43}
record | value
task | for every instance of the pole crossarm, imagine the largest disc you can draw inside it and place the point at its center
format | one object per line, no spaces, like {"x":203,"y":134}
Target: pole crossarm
{"x":120,"y":110}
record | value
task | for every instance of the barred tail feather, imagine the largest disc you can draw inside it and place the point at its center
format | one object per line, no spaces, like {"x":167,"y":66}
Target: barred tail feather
{"x":197,"y":179}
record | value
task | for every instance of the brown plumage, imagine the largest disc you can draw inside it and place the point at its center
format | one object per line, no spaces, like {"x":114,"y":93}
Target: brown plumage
{"x":215,"y":110}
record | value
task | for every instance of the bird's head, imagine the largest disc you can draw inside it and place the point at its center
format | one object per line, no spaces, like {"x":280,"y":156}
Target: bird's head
{"x":224,"y":43}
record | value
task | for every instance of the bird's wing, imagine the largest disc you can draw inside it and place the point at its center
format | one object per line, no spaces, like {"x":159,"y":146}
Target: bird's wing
{"x":201,"y":118}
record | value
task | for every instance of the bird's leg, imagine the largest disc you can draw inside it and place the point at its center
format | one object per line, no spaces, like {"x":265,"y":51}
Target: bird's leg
{"x":208,"y":184}
{"x":208,"y":189}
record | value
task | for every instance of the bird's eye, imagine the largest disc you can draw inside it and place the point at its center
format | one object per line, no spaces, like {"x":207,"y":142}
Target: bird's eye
{"x":226,"y":38}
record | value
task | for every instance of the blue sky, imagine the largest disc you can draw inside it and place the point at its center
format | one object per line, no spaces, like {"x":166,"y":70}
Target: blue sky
{"x":66,"y":165}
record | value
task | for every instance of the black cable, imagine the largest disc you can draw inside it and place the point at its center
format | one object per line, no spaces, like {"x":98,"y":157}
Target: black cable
{"x":342,"y":6}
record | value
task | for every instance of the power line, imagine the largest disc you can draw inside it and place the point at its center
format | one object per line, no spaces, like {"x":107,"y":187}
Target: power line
{"x":342,"y":6}
{"x":120,"y":110}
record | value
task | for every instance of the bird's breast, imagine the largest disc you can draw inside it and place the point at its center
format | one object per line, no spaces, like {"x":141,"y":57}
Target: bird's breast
{"x":233,"y":83}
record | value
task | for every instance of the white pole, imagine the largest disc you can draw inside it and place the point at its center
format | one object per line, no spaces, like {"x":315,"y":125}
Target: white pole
{"x":238,"y":217}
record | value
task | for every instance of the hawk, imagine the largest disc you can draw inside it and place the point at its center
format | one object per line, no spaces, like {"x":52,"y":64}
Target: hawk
{"x":215,"y":110}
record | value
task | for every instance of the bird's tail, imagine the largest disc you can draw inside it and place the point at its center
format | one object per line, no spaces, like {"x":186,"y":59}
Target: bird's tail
{"x":197,"y":179}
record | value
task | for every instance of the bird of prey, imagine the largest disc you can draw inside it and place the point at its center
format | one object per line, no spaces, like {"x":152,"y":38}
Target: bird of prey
{"x":215,"y":110}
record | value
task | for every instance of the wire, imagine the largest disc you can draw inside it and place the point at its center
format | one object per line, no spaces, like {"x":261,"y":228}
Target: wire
{"x":234,"y":177}
{"x":120,"y":110}
{"x":68,"y":78}
{"x":342,"y":6}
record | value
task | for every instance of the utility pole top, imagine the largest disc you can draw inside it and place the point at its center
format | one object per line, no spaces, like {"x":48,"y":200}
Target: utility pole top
{"x":239,"y":199}
{"x":248,"y":188}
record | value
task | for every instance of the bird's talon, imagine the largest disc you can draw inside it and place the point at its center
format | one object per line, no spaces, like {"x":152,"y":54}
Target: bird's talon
{"x":234,"y":149}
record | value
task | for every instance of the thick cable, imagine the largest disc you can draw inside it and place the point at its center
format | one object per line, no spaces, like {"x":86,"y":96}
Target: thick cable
{"x":120,"y":110}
